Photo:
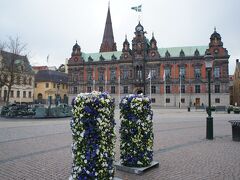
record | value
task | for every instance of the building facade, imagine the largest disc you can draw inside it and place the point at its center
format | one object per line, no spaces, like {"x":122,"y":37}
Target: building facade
{"x":178,"y":74}
{"x":17,"y":71}
{"x":236,"y":84}
{"x":51,"y":87}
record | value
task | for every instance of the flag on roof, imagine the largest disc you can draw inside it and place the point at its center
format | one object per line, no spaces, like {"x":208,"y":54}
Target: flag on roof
{"x":149,"y":75}
{"x":137,"y":8}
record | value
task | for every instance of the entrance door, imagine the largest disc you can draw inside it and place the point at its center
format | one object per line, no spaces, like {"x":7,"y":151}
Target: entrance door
{"x":197,"y":102}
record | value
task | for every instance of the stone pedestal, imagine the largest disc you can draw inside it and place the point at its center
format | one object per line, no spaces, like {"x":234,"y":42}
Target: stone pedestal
{"x":135,"y":170}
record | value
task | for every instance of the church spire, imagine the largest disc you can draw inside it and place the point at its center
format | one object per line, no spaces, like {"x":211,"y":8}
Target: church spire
{"x":108,"y":43}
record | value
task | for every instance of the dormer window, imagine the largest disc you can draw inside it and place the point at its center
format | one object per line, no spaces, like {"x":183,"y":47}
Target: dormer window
{"x":196,"y":53}
{"x":90,"y":59}
{"x":167,"y":54}
{"x":101,"y":58}
{"x":113,"y":57}
{"x":182,"y":54}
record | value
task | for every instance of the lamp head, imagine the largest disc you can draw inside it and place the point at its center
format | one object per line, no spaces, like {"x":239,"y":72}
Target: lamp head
{"x":208,"y":61}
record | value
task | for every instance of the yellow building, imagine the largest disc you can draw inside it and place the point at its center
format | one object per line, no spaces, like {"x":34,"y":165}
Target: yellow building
{"x":51,"y":86}
{"x":236,"y":84}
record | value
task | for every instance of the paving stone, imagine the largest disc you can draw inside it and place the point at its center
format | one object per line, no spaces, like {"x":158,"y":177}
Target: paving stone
{"x":41,"y":149}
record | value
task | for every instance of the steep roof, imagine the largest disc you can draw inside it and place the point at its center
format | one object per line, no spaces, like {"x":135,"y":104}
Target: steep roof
{"x":189,"y":51}
{"x":108,"y":43}
{"x":8,"y":57}
{"x":51,"y":76}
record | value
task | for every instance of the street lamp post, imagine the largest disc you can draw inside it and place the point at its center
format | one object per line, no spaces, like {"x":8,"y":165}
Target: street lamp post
{"x":209,"y":130}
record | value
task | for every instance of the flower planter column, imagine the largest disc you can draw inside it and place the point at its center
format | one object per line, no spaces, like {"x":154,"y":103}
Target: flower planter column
{"x":136,"y":146}
{"x":93,"y":136}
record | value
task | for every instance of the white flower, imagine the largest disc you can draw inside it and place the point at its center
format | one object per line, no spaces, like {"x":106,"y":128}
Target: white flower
{"x":82,"y":134}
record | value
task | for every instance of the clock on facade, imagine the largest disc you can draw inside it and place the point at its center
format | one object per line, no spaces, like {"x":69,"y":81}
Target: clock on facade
{"x":153,"y":54}
{"x":139,"y":28}
{"x":75,"y":59}
{"x":125,"y":56}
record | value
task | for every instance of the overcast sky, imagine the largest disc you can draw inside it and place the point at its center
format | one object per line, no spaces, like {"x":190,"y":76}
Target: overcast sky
{"x":51,"y":27}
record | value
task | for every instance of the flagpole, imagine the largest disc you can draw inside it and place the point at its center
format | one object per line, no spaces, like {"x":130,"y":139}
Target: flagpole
{"x":180,"y":86}
{"x":119,"y":97}
{"x":93,"y":79}
{"x":105,"y":81}
{"x":150,"y":88}
{"x":164,"y":88}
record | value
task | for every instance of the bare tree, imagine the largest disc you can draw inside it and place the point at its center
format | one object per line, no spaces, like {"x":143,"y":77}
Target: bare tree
{"x":2,"y":45}
{"x":12,"y":63}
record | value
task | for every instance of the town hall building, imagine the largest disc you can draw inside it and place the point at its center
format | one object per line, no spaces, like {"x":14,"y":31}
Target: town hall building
{"x":178,"y":74}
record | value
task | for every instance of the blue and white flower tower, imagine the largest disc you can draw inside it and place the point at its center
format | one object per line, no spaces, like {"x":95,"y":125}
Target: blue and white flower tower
{"x":136,"y":146}
{"x":93,"y":136}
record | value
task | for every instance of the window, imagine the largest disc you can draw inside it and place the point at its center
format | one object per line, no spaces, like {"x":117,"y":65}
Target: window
{"x":182,"y":100}
{"x":217,"y":88}
{"x":89,"y":89}
{"x":29,"y":94}
{"x":168,"y":90}
{"x":35,"y":85}
{"x":62,"y":86}
{"x":24,"y":94}
{"x":125,"y":74}
{"x":113,"y":89}
{"x":47,"y":85}
{"x":75,"y":90}
{"x":11,"y":94}
{"x":167,"y":73}
{"x":153,"y":89}
{"x":89,"y":76}
{"x":182,"y":72}
{"x":217,"y":72}
{"x":18,"y":94}
{"x":197,"y":89}
{"x":182,"y":88}
{"x":101,"y":76}
{"x":153,"y":73}
{"x":113,"y":75}
{"x":54,"y":85}
{"x":153,"y":100}
{"x":100,"y":88}
{"x":167,"y":100}
{"x":125,"y":89}
{"x":217,"y":100}
{"x":197,"y":73}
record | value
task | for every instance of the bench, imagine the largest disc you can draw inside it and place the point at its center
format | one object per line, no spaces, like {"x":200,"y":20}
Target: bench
{"x":220,"y":108}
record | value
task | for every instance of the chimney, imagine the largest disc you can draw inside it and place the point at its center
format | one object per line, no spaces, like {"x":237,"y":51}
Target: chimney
{"x":237,"y":60}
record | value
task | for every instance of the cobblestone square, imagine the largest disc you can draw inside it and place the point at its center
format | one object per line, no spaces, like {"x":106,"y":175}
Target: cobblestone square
{"x":41,"y":148}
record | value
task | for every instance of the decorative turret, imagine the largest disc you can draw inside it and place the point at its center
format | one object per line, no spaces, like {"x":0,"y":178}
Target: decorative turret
{"x":153,"y":50}
{"x":216,"y":45}
{"x":126,"y":44}
{"x":76,"y":50}
{"x":215,"y":39}
{"x":139,"y":42}
{"x":126,"y":51}
{"x":76,"y":54}
{"x":108,"y":43}
{"x":153,"y":42}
